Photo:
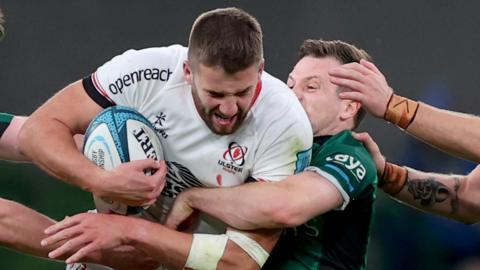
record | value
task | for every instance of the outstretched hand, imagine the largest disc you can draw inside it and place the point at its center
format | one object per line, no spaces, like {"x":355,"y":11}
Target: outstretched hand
{"x":86,"y":233}
{"x":374,"y":150}
{"x":364,"y":84}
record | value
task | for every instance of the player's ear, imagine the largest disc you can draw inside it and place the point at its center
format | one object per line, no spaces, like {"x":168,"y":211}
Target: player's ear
{"x":350,"y":110}
{"x":261,"y":67}
{"x":187,"y":72}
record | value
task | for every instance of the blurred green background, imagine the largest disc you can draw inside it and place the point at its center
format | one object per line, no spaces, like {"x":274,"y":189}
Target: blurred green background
{"x":26,"y":184}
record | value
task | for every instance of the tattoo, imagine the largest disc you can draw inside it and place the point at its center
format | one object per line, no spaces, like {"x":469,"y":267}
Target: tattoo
{"x":428,"y":191}
{"x":454,"y":203}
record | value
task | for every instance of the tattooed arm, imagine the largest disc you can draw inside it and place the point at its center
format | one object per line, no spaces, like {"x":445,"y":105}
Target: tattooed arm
{"x":454,"y":196}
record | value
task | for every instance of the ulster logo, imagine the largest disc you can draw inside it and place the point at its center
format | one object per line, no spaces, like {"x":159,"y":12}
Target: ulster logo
{"x":233,"y":158}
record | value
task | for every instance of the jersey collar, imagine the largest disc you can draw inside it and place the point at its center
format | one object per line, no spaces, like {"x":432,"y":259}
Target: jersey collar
{"x":321,"y":139}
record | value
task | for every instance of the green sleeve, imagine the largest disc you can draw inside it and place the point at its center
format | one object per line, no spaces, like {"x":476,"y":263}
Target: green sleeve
{"x":5,"y":120}
{"x":346,"y":163}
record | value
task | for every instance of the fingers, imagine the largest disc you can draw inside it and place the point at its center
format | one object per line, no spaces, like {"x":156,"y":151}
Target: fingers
{"x":173,"y":219}
{"x":369,"y":65}
{"x":177,"y":217}
{"x":371,"y":146}
{"x":65,"y":234}
{"x":149,"y":203}
{"x":65,"y":223}
{"x":159,"y":179}
{"x":367,"y":140}
{"x":81,"y":253}
{"x":161,"y":172}
{"x":347,"y":83}
{"x":355,"y":96}
{"x":350,"y":70}
{"x":144,"y":164}
{"x":69,"y":247}
{"x":179,"y":213}
{"x":172,"y":223}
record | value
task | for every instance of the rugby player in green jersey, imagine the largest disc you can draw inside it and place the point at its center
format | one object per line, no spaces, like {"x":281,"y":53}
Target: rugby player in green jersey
{"x":9,"y":124}
{"x":9,"y":127}
{"x":12,"y":214}
{"x":21,"y":227}
{"x":329,"y":207}
{"x":453,"y":196}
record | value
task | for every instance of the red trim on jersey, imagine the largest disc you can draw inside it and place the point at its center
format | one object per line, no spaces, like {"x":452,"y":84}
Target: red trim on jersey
{"x":100,"y":89}
{"x":258,"y":89}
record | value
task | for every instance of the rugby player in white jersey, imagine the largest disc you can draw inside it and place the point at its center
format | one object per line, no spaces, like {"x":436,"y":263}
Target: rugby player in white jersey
{"x":222,"y":121}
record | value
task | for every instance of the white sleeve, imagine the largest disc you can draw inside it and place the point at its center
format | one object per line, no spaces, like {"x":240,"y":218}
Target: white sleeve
{"x":132,"y":78}
{"x":285,"y":149}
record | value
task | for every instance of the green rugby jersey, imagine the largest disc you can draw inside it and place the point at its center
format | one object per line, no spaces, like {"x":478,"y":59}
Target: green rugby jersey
{"x":5,"y":120}
{"x":337,"y":239}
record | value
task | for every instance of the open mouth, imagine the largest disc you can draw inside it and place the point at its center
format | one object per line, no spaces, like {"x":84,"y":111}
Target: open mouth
{"x":224,"y":121}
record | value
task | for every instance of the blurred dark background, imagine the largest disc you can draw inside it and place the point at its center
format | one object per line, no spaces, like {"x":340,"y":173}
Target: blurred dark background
{"x":428,"y":50}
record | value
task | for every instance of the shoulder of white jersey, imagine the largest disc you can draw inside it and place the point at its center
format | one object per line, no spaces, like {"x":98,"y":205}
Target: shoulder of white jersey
{"x":175,"y":53}
{"x":134,"y":71}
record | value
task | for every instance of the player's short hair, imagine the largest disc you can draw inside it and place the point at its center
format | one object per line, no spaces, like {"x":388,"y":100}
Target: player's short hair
{"x":227,"y":37}
{"x":2,"y":21}
{"x":340,"y":50}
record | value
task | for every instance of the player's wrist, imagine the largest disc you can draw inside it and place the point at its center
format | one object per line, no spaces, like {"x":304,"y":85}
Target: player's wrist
{"x":98,"y":183}
{"x":400,"y":111}
{"x":138,"y":234}
{"x":393,"y":178}
{"x":190,"y":197}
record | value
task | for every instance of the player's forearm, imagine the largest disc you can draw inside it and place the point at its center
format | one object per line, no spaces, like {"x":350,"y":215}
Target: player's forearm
{"x":288,"y":203}
{"x":50,"y":145}
{"x":169,"y":247}
{"x":246,"y":207}
{"x":123,"y":258}
{"x":9,"y":141}
{"x":22,"y":228}
{"x":236,"y":257}
{"x":440,"y":194}
{"x":455,"y":133}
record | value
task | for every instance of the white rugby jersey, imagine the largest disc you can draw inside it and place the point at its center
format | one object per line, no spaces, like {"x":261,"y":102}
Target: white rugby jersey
{"x":273,"y":142}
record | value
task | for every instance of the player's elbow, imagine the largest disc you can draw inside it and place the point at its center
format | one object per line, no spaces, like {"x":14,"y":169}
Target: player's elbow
{"x":24,"y":136}
{"x":286,"y":213}
{"x":8,"y":209}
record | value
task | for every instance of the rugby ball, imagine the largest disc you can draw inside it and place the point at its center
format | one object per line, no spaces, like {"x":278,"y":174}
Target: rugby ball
{"x":117,"y":135}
